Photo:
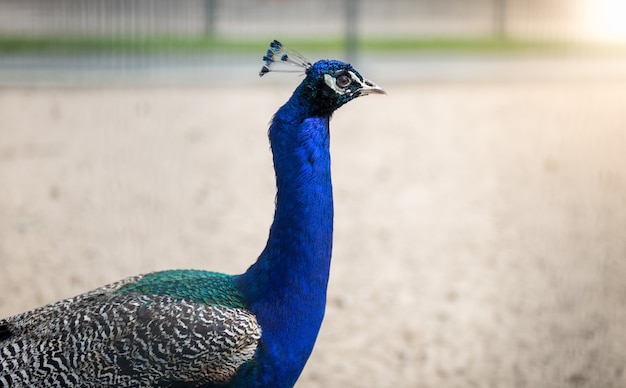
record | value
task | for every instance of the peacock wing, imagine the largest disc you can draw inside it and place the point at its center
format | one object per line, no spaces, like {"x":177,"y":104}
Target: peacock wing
{"x":105,"y":339}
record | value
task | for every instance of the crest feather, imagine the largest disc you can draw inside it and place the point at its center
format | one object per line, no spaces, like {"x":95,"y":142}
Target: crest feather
{"x":277,"y":54}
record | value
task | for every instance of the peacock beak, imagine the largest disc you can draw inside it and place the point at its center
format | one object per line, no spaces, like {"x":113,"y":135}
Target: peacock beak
{"x":368,"y":87}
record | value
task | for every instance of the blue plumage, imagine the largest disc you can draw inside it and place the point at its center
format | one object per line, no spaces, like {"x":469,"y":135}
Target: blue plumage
{"x":199,"y":328}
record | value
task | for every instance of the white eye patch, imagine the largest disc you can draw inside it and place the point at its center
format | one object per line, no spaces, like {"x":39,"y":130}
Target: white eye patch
{"x":332,"y":83}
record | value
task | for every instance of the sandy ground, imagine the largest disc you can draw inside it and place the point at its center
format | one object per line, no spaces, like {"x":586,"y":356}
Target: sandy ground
{"x":480,"y":227}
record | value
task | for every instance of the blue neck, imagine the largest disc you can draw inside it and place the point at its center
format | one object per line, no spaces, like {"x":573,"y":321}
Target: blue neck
{"x":286,"y":287}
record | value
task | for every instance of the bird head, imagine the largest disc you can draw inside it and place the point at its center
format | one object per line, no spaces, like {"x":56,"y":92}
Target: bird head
{"x":328,"y":85}
{"x":333,"y":83}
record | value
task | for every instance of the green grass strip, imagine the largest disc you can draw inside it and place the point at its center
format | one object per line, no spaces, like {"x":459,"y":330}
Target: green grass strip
{"x":14,"y":44}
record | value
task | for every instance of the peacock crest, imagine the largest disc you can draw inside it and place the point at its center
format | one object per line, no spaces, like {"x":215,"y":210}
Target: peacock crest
{"x":278,"y":55}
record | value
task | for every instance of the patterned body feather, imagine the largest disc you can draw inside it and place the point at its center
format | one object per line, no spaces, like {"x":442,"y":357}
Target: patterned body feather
{"x":116,"y":337}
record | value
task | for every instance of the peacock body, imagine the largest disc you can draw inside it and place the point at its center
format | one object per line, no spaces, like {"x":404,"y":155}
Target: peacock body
{"x":192,"y":328}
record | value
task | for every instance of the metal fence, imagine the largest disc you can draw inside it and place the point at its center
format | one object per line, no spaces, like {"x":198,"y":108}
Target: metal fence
{"x":247,"y":19}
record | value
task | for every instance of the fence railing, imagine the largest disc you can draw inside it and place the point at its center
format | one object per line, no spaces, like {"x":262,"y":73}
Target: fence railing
{"x":246,"y":19}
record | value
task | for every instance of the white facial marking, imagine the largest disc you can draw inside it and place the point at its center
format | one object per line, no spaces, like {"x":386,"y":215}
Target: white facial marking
{"x":332,"y":83}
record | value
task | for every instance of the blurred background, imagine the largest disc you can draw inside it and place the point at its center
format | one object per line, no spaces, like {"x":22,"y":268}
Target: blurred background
{"x":480,"y":206}
{"x":162,"y":40}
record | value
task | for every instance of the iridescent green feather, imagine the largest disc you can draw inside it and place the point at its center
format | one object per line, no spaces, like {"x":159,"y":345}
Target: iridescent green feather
{"x":211,"y":288}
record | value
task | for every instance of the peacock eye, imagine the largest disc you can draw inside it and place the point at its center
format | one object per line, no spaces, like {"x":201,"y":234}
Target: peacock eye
{"x":343,"y":81}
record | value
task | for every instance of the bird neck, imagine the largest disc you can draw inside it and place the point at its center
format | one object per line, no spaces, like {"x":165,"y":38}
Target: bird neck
{"x":286,"y":287}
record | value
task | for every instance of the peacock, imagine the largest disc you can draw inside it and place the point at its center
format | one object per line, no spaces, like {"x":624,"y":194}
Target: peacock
{"x":195,"y":328}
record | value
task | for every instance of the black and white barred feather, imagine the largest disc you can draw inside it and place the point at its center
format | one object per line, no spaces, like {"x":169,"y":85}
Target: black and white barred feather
{"x":104,"y":339}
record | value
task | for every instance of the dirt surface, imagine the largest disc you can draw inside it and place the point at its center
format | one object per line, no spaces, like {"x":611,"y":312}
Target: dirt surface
{"x":480,"y":227}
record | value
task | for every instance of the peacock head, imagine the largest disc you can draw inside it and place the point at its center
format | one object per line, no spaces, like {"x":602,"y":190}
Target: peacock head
{"x":328,"y":85}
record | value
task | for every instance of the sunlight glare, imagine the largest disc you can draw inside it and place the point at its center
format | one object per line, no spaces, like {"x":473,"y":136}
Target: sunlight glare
{"x":606,"y":20}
